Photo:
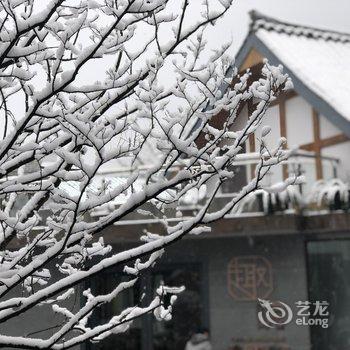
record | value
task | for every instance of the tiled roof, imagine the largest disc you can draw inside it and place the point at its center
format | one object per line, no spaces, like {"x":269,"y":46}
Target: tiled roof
{"x":319,"y":58}
{"x":259,"y":21}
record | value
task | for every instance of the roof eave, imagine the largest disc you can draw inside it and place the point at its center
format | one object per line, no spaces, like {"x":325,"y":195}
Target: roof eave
{"x":320,"y":105}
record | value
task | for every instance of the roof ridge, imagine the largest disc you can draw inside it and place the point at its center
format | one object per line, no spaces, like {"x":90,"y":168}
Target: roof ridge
{"x":259,"y":20}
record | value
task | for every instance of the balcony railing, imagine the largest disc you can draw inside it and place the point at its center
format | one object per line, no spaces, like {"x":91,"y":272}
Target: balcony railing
{"x":299,"y":163}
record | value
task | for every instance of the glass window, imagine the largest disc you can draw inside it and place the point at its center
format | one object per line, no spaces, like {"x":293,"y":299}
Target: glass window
{"x":329,"y":280}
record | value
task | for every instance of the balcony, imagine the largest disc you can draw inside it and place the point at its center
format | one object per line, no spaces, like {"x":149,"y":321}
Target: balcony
{"x":310,"y":197}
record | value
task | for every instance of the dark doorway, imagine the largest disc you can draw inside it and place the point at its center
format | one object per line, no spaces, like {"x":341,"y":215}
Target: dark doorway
{"x":147,"y":333}
{"x":187,"y":314}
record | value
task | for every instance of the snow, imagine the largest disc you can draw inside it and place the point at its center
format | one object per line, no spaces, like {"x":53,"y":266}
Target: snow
{"x":322,"y":65}
{"x":61,"y":153}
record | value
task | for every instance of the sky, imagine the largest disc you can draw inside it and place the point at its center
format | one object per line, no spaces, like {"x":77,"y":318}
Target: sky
{"x":328,"y":14}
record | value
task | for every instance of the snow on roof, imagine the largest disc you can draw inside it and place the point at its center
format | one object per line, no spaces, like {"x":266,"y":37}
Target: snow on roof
{"x":319,"y":58}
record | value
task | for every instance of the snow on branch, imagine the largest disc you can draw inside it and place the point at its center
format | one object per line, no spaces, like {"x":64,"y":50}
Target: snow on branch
{"x":63,"y":126}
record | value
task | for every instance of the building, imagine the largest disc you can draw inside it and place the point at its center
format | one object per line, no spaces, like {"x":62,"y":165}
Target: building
{"x":295,"y":251}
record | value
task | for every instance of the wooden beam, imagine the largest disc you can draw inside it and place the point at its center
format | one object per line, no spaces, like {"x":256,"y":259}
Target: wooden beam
{"x":334,"y":140}
{"x":254,"y":57}
{"x":317,"y":143}
{"x":284,"y":96}
{"x":308,"y":147}
{"x":217,"y":122}
{"x":327,"y":142}
{"x":251,"y":138}
{"x":283,"y":129}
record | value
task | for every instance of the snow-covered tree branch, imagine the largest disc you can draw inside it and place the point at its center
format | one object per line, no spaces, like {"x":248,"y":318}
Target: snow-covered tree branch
{"x":61,"y":128}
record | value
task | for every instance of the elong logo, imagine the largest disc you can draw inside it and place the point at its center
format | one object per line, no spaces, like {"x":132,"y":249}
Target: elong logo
{"x":277,"y":313}
{"x":274,"y":314}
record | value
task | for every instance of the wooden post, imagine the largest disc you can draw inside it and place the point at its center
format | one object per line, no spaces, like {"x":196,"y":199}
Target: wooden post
{"x":251,"y":139}
{"x":317,"y":144}
{"x":283,"y":129}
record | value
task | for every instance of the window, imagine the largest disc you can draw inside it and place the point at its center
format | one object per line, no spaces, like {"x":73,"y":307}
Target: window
{"x":329,"y":280}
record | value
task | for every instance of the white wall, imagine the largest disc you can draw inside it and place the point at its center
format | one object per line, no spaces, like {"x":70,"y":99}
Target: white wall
{"x":299,"y":132}
{"x":272,"y":120}
{"x":342,"y":152}
{"x":299,"y":122}
{"x":327,"y":129}
{"x":241,"y":120}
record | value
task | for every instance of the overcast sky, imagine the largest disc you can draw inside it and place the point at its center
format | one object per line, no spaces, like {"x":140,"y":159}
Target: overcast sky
{"x":328,"y":14}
